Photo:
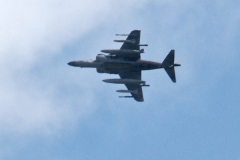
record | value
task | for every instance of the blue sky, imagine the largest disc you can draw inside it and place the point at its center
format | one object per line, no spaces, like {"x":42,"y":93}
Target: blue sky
{"x":49,"y":110}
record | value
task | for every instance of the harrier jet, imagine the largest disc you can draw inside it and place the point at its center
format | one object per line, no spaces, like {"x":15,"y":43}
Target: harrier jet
{"x":127,"y":62}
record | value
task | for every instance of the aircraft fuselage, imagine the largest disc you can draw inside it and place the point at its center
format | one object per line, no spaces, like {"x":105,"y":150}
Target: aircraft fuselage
{"x":115,"y":66}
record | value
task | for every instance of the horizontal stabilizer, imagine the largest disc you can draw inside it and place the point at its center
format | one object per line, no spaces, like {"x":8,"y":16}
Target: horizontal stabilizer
{"x":168,"y":65}
{"x":169,"y":60}
{"x":171,"y":73}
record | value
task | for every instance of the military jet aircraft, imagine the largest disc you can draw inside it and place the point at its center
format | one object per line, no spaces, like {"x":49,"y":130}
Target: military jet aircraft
{"x":127,"y":62}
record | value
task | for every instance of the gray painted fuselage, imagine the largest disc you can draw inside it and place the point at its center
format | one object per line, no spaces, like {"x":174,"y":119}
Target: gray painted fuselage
{"x":114,"y":66}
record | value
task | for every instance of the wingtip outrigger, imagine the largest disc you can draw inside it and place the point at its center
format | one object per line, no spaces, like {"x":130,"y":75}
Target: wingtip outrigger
{"x":125,"y":96}
{"x":122,"y":34}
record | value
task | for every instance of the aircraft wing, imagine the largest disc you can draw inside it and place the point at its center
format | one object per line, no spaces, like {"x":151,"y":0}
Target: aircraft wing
{"x":134,"y":37}
{"x":138,"y":95}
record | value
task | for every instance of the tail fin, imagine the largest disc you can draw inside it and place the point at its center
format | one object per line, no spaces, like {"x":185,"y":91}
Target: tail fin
{"x":168,"y":64}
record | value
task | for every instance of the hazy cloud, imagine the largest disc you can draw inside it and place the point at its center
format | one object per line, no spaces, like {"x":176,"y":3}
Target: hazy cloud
{"x":30,"y":30}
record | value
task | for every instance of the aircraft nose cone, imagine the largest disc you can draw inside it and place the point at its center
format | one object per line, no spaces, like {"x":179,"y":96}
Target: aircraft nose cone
{"x":73,"y":63}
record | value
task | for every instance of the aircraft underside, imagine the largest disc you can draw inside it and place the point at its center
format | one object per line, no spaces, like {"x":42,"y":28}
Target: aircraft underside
{"x":127,"y":62}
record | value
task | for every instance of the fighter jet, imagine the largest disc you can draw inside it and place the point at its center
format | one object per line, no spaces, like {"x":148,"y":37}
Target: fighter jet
{"x":127,"y":63}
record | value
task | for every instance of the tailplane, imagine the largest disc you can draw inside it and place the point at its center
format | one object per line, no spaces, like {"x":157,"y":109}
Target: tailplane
{"x":168,"y":64}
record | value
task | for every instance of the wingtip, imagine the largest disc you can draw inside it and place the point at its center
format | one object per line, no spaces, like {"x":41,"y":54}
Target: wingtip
{"x":139,"y":100}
